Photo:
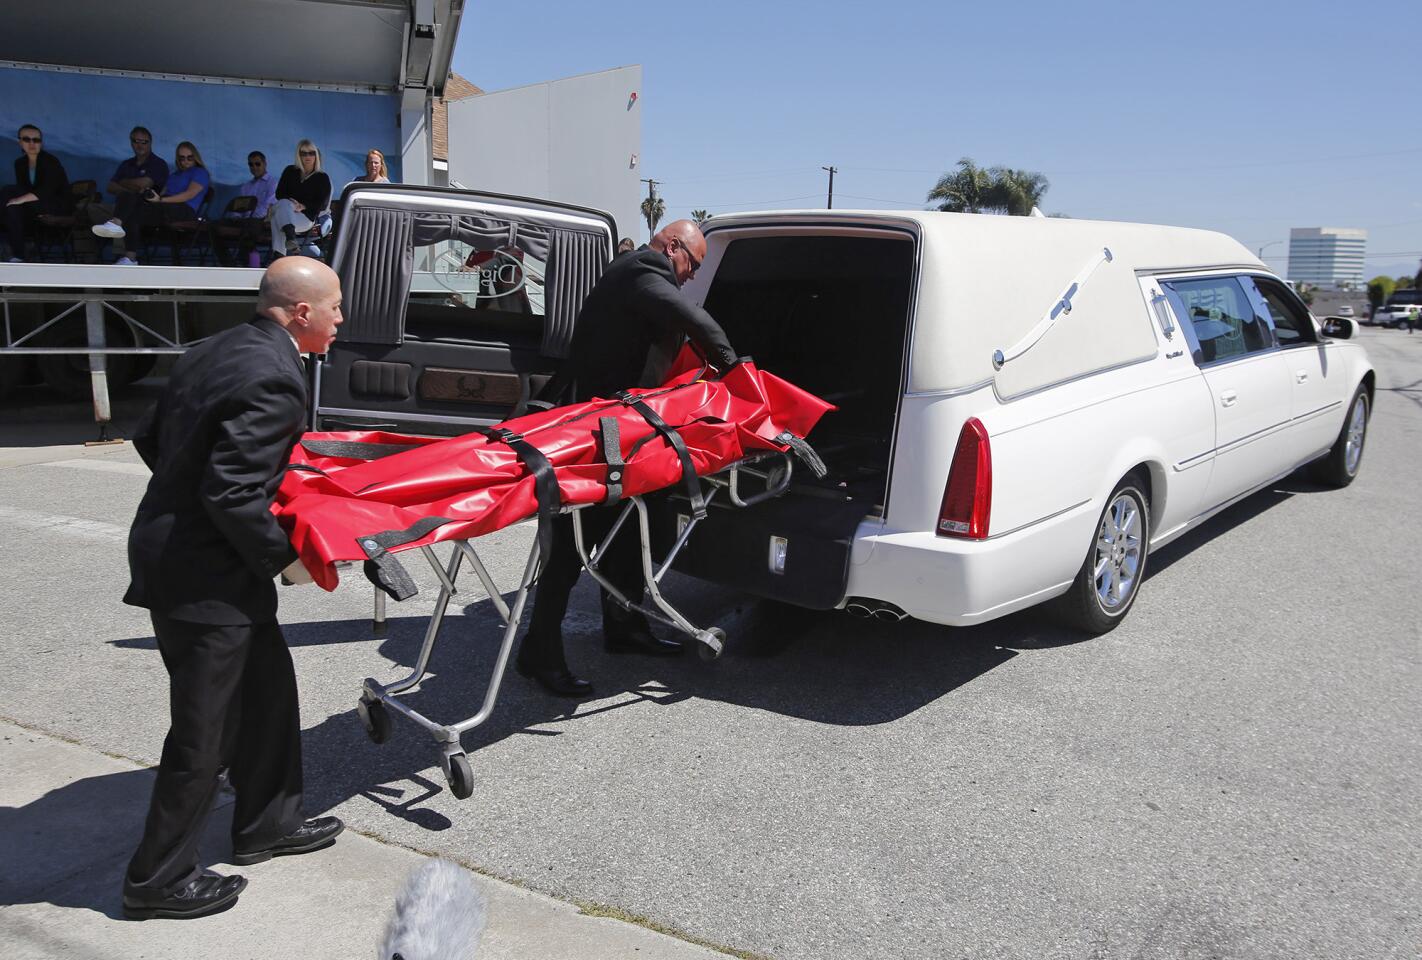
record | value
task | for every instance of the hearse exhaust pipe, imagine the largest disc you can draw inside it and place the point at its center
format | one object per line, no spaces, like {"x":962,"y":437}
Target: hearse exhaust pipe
{"x":877,"y":609}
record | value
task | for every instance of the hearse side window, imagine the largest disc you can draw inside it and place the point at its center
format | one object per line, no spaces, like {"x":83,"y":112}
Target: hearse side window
{"x":1221,"y":318}
{"x":1291,"y":321}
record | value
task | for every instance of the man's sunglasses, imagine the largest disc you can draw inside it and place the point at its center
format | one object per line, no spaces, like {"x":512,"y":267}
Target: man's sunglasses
{"x":255,"y":163}
{"x":140,"y":141}
{"x":695,"y":263}
{"x":32,"y":140}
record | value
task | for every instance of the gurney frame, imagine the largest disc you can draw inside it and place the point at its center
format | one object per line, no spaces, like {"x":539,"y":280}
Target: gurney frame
{"x":771,"y":471}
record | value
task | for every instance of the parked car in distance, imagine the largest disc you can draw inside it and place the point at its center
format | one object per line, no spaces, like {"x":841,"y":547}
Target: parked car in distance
{"x":1399,"y":307}
{"x":1346,"y":310}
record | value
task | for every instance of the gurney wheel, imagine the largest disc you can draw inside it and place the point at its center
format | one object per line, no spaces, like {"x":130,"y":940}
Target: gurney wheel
{"x":375,"y":718}
{"x":461,"y":777}
{"x":710,"y":644}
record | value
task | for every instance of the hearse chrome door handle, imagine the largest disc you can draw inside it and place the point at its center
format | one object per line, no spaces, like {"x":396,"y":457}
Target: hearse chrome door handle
{"x":1228,"y":398}
{"x":1301,"y":377}
{"x":1058,"y":309}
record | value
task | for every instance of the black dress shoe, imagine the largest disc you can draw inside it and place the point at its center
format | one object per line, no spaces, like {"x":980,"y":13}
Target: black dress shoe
{"x":558,"y":680}
{"x":210,"y":893}
{"x":312,"y":835}
{"x":619,"y":637}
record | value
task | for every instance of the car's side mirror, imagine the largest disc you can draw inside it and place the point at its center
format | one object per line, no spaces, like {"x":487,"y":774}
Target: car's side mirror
{"x":1339,"y":328}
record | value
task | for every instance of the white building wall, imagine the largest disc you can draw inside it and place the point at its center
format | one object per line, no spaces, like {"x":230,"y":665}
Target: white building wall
{"x":1327,"y":256}
{"x":574,"y":140}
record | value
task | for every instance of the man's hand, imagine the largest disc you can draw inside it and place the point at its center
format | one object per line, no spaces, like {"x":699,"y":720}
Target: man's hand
{"x":298,"y":206}
{"x":22,"y":198}
{"x":296,"y":574}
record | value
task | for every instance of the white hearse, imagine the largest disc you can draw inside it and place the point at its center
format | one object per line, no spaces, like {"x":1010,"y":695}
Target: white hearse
{"x":1027,"y":406}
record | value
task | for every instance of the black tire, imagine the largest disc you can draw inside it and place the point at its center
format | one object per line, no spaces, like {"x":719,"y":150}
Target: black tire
{"x":1125,"y":551}
{"x":68,"y":374}
{"x":461,"y":777}
{"x":375,"y":718}
{"x":1340,"y":466}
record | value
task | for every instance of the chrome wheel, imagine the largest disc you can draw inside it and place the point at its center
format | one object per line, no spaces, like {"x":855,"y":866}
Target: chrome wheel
{"x":1117,"y":560}
{"x":1357,"y":429}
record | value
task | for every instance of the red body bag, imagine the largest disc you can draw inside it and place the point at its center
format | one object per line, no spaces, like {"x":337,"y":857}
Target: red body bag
{"x":362,"y":495}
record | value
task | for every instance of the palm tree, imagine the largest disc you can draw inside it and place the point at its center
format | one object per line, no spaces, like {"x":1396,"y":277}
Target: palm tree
{"x":700,"y":216}
{"x":971,"y":189}
{"x":653,"y":209}
{"x":963,"y":191}
{"x":1016,"y":192}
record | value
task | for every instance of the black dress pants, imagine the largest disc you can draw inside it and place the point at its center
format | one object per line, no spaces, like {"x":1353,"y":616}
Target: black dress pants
{"x":232,"y":695}
{"x":543,"y":645}
{"x":21,"y":218}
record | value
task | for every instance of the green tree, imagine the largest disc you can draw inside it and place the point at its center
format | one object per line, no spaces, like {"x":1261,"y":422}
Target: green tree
{"x":972,"y":189}
{"x":1306,"y":293}
{"x":653,"y":209}
{"x":700,"y":216}
{"x":1016,"y":192}
{"x":962,"y":191}
{"x":1379,"y":289}
{"x":1404,"y":283}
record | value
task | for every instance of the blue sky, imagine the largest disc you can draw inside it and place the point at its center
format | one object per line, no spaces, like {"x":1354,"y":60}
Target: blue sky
{"x":1245,"y":117}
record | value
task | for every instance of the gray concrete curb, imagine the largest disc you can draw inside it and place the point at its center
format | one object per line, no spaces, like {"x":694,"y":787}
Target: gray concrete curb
{"x":70,"y":816}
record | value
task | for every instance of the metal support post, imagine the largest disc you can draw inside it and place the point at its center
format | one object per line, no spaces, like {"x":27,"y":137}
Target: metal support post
{"x":98,"y":367}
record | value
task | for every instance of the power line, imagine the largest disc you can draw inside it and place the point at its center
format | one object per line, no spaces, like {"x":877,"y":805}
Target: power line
{"x":750,"y":203}
{"x":1223,"y":166}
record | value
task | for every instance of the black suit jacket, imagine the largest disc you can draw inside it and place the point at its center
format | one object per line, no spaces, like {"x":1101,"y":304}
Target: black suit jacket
{"x":632,"y":325}
{"x":51,"y":183}
{"x":204,"y":546}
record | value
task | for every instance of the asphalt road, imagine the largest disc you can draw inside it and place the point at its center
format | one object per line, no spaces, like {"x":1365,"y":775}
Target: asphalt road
{"x":1234,"y":772}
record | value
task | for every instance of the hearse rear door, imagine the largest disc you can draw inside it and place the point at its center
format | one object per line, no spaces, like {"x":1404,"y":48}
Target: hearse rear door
{"x":458,"y":305}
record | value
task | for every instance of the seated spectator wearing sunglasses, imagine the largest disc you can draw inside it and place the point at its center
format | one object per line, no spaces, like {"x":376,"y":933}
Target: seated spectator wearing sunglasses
{"x":182,"y":194}
{"x":262,"y":185}
{"x":41,"y":186}
{"x":141,"y":172}
{"x":303,"y":196}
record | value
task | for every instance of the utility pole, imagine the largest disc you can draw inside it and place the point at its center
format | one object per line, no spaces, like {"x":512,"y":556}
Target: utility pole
{"x":829,"y":199}
{"x":651,"y":198}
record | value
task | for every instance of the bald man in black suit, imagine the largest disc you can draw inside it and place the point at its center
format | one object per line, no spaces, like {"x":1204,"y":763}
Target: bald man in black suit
{"x":203,"y":551}
{"x":629,"y":331}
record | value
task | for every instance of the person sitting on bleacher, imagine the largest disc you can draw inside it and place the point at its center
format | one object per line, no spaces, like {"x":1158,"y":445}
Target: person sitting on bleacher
{"x":262,"y":185}
{"x":303,"y":196}
{"x":41,"y":186}
{"x":375,"y":171}
{"x":143,"y":171}
{"x":182,"y":195}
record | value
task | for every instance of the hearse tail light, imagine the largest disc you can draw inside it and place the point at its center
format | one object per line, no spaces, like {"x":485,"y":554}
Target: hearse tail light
{"x":967,"y":497}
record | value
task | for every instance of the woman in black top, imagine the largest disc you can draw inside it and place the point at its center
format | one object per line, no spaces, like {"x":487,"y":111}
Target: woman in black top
{"x":41,"y":186}
{"x":303,"y":198}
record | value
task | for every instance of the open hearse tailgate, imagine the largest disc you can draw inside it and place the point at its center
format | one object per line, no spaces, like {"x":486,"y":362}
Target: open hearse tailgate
{"x":458,"y":304}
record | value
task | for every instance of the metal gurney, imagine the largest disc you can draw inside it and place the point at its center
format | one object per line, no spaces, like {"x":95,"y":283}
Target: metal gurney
{"x":369,"y":496}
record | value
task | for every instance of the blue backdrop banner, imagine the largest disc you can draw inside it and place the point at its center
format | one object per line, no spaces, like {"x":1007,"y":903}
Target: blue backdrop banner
{"x":86,"y":120}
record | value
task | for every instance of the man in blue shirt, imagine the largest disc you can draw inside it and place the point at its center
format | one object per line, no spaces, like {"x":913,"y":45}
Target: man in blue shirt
{"x":143,"y":171}
{"x":261,"y":187}
{"x":181,"y":195}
